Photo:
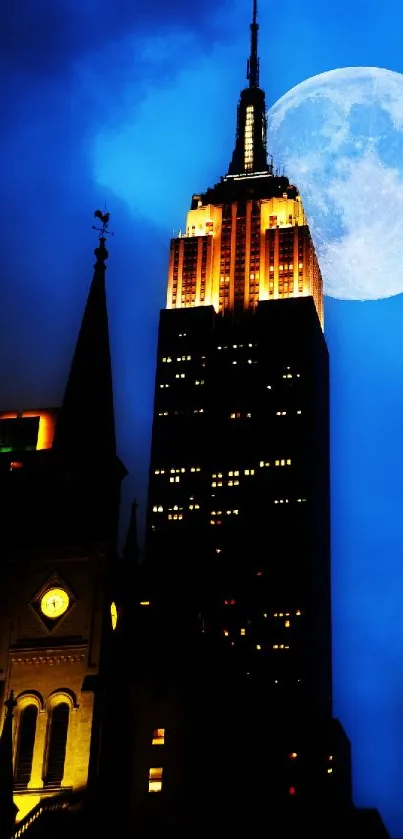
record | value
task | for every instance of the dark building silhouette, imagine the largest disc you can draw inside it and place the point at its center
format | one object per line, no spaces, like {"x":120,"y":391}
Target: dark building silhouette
{"x":61,"y":583}
{"x":190,"y":694}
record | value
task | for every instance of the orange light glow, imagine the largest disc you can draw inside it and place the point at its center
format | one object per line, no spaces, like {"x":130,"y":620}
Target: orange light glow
{"x":155,"y":779}
{"x":47,"y":425}
{"x":158,"y":737}
{"x":277,"y":254}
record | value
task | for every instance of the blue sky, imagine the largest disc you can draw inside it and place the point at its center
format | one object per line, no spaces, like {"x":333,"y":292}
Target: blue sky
{"x":109,"y":102}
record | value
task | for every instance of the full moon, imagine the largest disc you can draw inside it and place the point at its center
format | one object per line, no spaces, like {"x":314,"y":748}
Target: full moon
{"x":339,"y":137}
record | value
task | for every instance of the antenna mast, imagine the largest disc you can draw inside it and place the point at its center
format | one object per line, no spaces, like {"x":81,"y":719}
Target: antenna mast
{"x":252,"y":72}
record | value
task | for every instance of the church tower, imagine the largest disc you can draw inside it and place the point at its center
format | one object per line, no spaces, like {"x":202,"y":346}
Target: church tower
{"x":60,"y":483}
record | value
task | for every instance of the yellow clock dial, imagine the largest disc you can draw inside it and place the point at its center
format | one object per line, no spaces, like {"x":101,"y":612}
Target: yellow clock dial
{"x":54,"y":602}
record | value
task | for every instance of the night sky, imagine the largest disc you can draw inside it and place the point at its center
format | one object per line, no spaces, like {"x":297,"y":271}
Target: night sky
{"x":104,"y":102}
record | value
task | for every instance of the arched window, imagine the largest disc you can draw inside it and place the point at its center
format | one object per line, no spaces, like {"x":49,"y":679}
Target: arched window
{"x":25,"y":745}
{"x":59,"y":723}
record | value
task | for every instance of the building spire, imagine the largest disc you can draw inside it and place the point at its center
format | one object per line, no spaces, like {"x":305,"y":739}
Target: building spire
{"x":252,"y":72}
{"x":250,"y":153}
{"x":86,"y":421}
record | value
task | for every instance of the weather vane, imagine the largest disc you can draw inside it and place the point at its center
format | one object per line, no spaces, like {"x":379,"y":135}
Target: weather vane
{"x":104,"y":219}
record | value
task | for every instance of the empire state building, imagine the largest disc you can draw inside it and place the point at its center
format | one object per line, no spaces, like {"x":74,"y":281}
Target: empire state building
{"x":232,"y":664}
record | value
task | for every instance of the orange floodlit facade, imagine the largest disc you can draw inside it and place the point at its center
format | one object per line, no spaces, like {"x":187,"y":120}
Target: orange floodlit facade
{"x":233,"y":256}
{"x":47,"y":424}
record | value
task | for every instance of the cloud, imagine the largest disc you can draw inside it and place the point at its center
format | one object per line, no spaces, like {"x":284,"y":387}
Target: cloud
{"x":42,"y":38}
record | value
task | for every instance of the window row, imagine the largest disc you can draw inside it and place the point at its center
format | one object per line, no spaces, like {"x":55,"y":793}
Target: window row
{"x":180,"y":413}
{"x":168,"y":359}
{"x":182,"y":469}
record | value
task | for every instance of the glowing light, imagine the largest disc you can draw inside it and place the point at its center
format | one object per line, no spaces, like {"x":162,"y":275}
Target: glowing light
{"x":249,"y":123}
{"x":114,"y":615}
{"x":47,"y":425}
{"x":54,"y":603}
{"x":158,"y":737}
{"x":155,"y":779}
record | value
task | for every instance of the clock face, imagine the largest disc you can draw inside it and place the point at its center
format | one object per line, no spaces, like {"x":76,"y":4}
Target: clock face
{"x":54,"y":602}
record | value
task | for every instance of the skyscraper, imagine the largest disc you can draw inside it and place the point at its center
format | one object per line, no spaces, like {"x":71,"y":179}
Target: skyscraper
{"x":238,"y":549}
{"x":235,"y":614}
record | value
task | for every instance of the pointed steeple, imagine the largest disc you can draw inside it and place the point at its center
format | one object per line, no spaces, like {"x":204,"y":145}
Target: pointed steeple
{"x":8,"y":809}
{"x":86,"y":424}
{"x":250,"y":153}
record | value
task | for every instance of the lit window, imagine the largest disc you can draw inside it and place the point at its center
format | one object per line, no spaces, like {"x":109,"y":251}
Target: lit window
{"x":330,"y":757}
{"x":330,"y":770}
{"x":218,"y":550}
{"x":226,"y":633}
{"x":258,"y":646}
{"x":243,"y":631}
{"x":155,"y":779}
{"x":287,"y":624}
{"x":299,"y":412}
{"x":158,"y":737}
{"x":144,"y":602}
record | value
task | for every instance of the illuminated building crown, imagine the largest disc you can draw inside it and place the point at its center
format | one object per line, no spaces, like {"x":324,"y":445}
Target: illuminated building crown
{"x":247,"y":239}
